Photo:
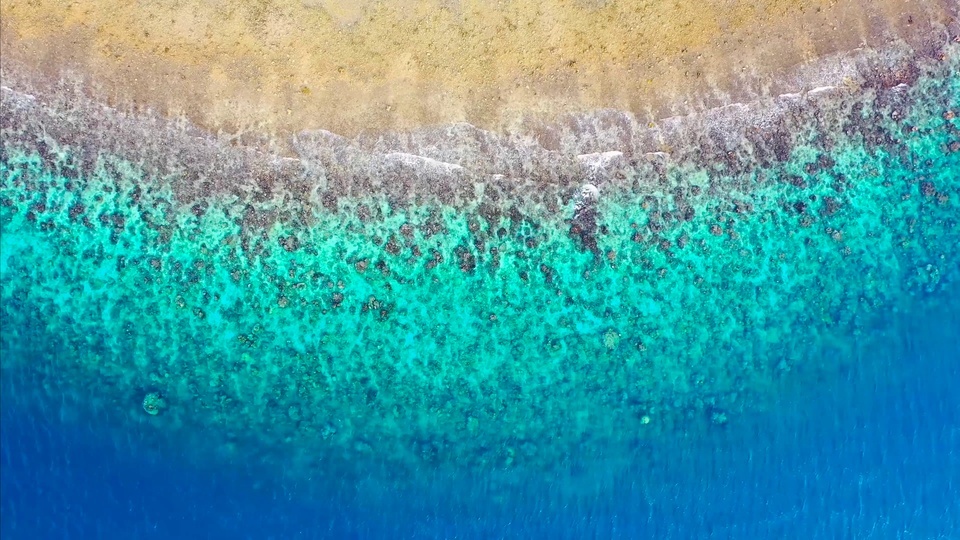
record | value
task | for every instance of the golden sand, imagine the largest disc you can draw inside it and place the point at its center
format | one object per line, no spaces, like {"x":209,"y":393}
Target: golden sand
{"x":268,"y":66}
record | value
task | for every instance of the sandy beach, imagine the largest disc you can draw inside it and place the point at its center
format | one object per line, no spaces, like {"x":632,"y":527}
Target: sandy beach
{"x":246,"y":69}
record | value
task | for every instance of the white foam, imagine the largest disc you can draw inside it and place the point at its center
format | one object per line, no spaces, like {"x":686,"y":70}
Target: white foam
{"x":599,"y":160}
{"x":423,"y":162}
{"x":821,"y":90}
{"x":589,"y":192}
{"x":18,"y":97}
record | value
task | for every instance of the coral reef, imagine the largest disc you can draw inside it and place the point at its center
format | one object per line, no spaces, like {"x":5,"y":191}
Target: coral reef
{"x":455,"y":296}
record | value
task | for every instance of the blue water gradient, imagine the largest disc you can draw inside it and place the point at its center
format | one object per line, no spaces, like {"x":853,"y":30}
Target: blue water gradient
{"x":874,"y":455}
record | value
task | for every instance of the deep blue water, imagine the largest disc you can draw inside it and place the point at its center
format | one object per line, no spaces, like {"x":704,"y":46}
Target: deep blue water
{"x":872,"y":456}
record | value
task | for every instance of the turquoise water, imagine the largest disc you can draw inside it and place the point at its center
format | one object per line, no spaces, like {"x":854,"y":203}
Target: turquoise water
{"x":344,"y":330}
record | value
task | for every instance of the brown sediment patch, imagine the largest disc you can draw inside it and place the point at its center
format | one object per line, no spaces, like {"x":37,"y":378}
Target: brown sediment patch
{"x":248,"y":69}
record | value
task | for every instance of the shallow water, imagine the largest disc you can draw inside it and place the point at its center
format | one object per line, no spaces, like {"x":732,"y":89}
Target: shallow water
{"x":751,"y":331}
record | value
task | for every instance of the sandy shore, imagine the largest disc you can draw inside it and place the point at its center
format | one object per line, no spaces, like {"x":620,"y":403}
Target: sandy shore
{"x":244,"y":69}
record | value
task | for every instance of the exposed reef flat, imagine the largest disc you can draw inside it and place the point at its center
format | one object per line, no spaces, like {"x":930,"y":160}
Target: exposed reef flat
{"x":451,"y":297}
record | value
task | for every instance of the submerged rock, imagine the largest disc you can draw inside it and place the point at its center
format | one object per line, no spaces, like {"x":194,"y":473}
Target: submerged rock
{"x":154,"y":403}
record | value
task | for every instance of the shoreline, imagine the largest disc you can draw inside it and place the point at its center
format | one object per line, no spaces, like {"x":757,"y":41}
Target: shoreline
{"x":443,"y":163}
{"x":363,"y":72}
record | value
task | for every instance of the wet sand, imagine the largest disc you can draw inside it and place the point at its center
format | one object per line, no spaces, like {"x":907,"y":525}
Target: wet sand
{"x":249,"y":70}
